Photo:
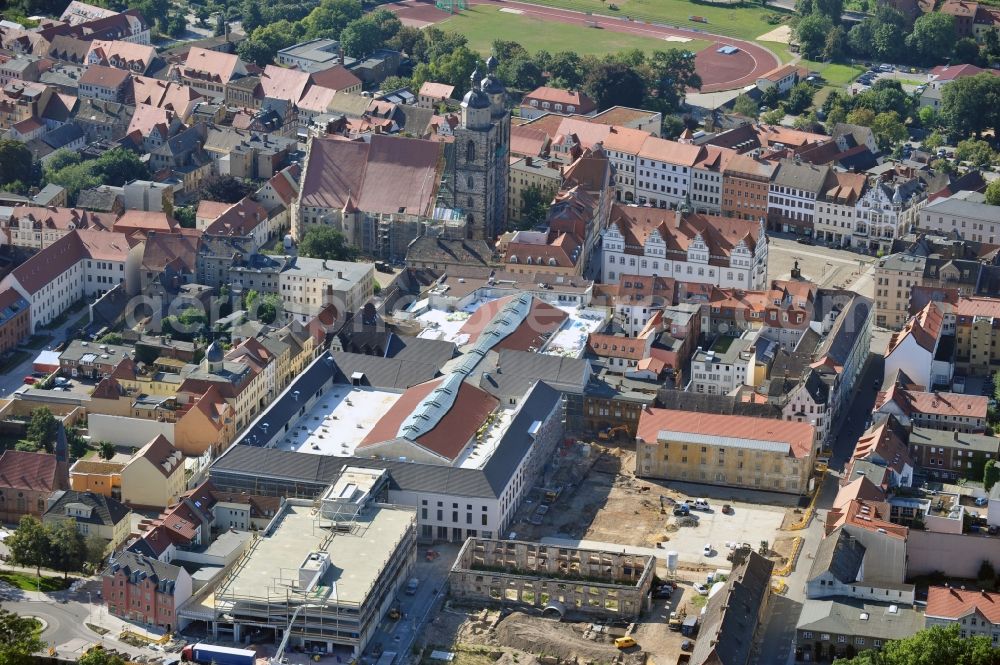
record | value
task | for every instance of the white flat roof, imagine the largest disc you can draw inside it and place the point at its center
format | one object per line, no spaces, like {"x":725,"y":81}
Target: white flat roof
{"x":443,"y":325}
{"x":482,"y":449}
{"x":338,"y":422}
{"x":356,"y":558}
{"x":571,"y":340}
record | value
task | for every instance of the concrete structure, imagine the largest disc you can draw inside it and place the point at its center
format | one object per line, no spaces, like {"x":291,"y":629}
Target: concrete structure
{"x":154,"y":477}
{"x":728,"y":364}
{"x":98,"y":477}
{"x":736,"y":451}
{"x":784,"y":77}
{"x":964,"y":213}
{"x":557,"y":580}
{"x":332,"y":574}
{"x":977,"y":322}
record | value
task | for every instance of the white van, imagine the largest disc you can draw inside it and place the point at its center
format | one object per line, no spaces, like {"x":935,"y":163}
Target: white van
{"x":701,"y":504}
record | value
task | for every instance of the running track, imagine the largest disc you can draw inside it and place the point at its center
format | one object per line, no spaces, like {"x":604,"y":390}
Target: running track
{"x":718,"y":72}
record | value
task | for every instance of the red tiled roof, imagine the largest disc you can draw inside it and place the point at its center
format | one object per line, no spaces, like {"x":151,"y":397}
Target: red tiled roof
{"x":145,"y":220}
{"x":542,"y":320}
{"x":389,"y":175}
{"x":576,"y":98}
{"x":104,"y":77}
{"x":799,"y":436}
{"x":161,"y":453}
{"x":337,"y":78}
{"x":452,"y":432}
{"x":437,"y":90}
{"x":29,"y":471}
{"x":281,"y":83}
{"x":925,"y":328}
{"x":951,"y":603}
{"x":949,"y":405}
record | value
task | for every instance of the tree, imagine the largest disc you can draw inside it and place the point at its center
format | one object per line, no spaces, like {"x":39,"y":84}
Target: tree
{"x":185,"y":216}
{"x":885,"y":95}
{"x":864,"y":117}
{"x":930,"y":647}
{"x":250,"y":16}
{"x":98,"y":656}
{"x":29,"y":544}
{"x":43,"y":428}
{"x":118,"y":166}
{"x":323,"y":242}
{"x":967,"y":52}
{"x":836,"y":44}
{"x":799,"y":98}
{"x":934,"y":141}
{"x":672,"y":127}
{"x":888,"y":129}
{"x":943,"y":166}
{"x":264,"y":43}
{"x":933,"y":38}
{"x":177,"y":25}
{"x":832,"y":9}
{"x":613,"y":83}
{"x":406,"y":40}
{"x":220,"y":24}
{"x":18,"y":639}
{"x":522,"y":73}
{"x":60,"y":159}
{"x":811,"y":32}
{"x":328,"y":18}
{"x":94,"y":550}
{"x":979,"y":153}
{"x":745,"y":106}
{"x":671,"y":73}
{"x":453,"y":68}
{"x":535,"y":203}
{"x":971,"y":104}
{"x":67,"y":550}
{"x":993,"y":193}
{"x":77,"y":444}
{"x":991,"y":474}
{"x":773,"y":117}
{"x":74,"y":178}
{"x":928,"y":117}
{"x":225,"y":189}
{"x":564,"y":68}
{"x":107,"y":450}
{"x":269,"y":307}
{"x":987,"y":574}
{"x":360,"y":37}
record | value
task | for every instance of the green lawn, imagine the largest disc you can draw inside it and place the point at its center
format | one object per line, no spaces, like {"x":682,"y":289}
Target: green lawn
{"x":742,"y":22}
{"x":835,"y":75}
{"x":482,"y":24}
{"x":30,"y":582}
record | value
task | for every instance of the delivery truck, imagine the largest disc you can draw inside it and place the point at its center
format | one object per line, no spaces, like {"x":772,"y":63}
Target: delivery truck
{"x":210,"y":654}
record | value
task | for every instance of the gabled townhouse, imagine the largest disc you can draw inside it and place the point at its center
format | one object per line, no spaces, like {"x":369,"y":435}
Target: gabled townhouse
{"x":144,"y":590}
{"x":209,"y":71}
{"x":22,"y":100}
{"x":92,"y":514}
{"x":151,"y":127}
{"x":635,"y":299}
{"x":918,"y":350}
{"x":245,"y":220}
{"x":154,"y":477}
{"x":107,"y":84}
{"x":103,"y":121}
{"x":836,"y":210}
{"x":746,"y":182}
{"x":887,"y":211}
{"x":663,"y":172}
{"x":720,"y":251}
{"x":554,"y":100}
{"x":171,"y":96}
{"x":793,"y":196}
{"x":130,"y":56}
{"x":82,"y":264}
{"x":884,"y":444}
{"x":933,"y":410}
{"x":34,"y":227}
{"x":707,"y":179}
{"x":974,"y":611}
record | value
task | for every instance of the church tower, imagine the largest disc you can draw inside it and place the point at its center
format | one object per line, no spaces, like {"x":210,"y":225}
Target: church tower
{"x":482,"y":147}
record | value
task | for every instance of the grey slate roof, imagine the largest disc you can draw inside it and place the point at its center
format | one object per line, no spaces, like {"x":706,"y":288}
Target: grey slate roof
{"x":519,"y":369}
{"x":63,"y":135}
{"x":730,"y":619}
{"x":840,"y":554}
{"x":139,"y":567}
{"x":844,"y":616}
{"x":922,"y":436}
{"x":394,"y":373}
{"x":803,"y":176}
{"x":105,"y":511}
{"x":843,"y":337}
{"x":431,"y":249}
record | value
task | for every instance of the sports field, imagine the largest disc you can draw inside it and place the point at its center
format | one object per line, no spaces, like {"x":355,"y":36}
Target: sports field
{"x":482,"y":24}
{"x":740,"y":22}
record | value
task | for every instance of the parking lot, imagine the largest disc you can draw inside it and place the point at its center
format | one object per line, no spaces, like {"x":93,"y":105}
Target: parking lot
{"x":748,"y":523}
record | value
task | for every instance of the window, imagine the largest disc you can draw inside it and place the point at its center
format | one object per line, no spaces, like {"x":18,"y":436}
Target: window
{"x":470,"y":151}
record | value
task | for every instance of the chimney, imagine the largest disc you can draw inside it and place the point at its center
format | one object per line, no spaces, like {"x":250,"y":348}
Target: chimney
{"x":678,"y":217}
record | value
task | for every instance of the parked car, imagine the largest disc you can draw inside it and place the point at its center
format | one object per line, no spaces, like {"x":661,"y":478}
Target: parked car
{"x":30,"y":380}
{"x":701,"y":589}
{"x":708,"y":549}
{"x":982,"y":500}
{"x":804,"y":240}
{"x":727,"y":509}
{"x":625,"y":642}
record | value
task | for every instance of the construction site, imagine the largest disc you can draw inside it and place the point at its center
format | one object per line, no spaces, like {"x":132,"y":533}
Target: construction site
{"x":559,"y":581}
{"x":319,"y":578}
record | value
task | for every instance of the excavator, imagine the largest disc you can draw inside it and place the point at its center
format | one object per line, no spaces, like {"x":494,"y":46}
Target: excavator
{"x":611,"y":432}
